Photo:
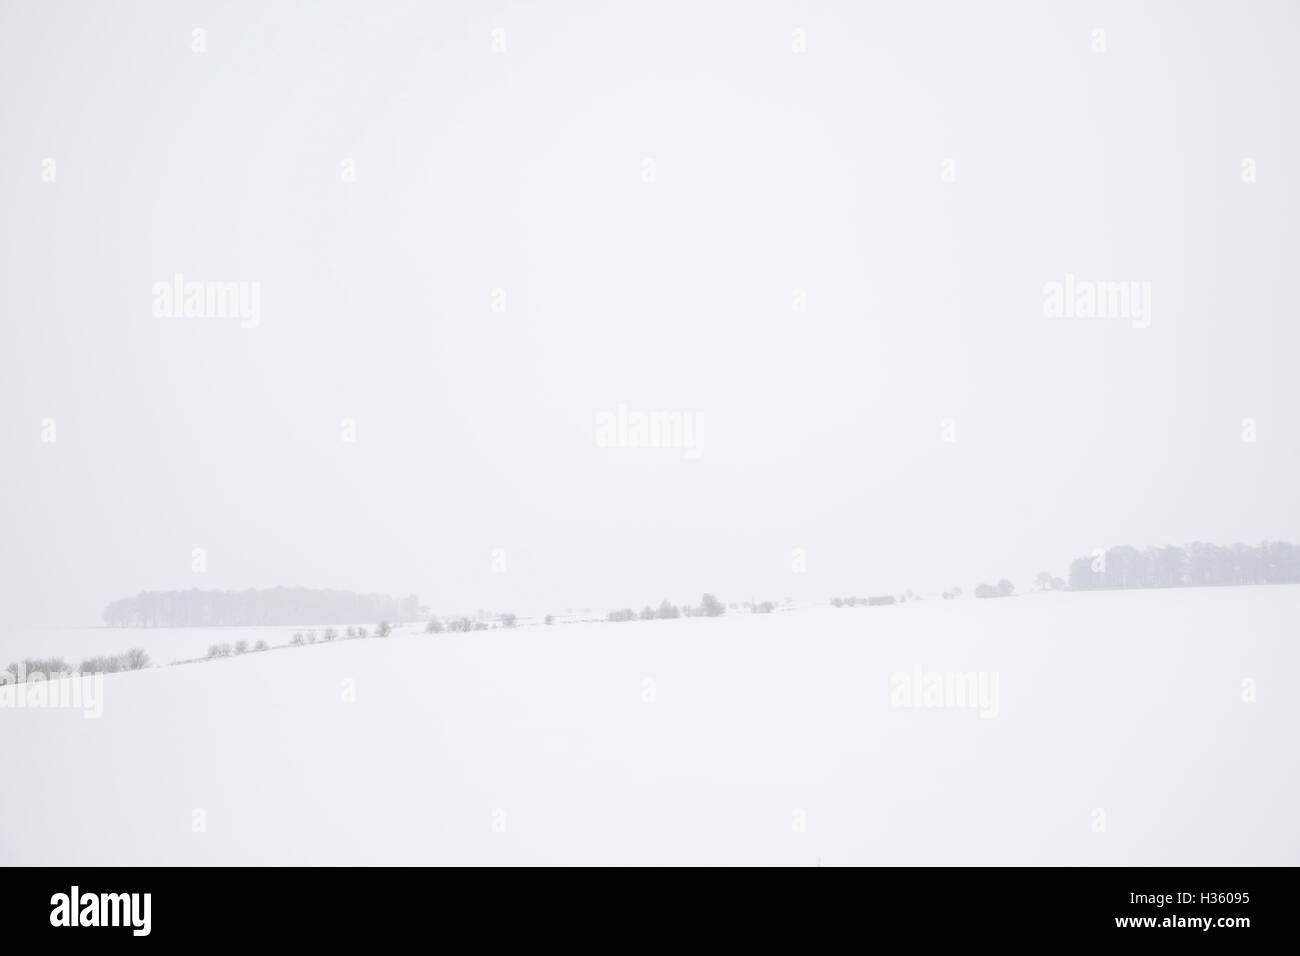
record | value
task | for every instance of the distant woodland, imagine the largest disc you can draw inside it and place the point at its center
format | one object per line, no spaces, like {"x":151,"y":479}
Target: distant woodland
{"x":1195,"y":565}
{"x":259,"y":606}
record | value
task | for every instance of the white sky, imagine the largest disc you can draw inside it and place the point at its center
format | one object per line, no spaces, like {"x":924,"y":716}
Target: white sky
{"x":523,"y":171}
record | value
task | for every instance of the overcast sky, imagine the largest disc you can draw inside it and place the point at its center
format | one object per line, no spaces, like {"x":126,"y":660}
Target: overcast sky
{"x":379,"y":169}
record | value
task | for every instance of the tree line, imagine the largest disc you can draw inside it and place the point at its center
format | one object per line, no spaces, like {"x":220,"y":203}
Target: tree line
{"x":53,"y":668}
{"x":1196,"y":565}
{"x":258,"y":606}
{"x":709,"y":606}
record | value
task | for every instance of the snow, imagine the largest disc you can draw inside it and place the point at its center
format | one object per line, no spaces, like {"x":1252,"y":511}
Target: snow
{"x":537,"y":745}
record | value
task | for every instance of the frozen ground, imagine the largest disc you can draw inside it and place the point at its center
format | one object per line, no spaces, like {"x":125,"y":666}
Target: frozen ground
{"x":538,"y":745}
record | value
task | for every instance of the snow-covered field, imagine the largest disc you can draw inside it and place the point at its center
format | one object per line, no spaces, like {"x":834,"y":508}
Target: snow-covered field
{"x":1118,"y":735}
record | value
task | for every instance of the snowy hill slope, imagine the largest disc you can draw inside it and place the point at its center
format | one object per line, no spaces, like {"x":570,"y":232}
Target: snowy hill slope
{"x":754,"y":739}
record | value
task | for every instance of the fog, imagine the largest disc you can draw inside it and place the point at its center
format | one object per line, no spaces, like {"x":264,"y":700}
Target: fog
{"x":825,"y":237}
